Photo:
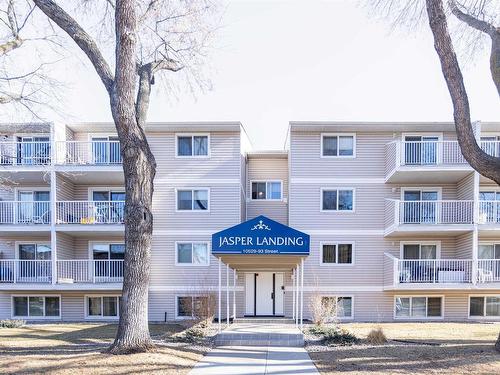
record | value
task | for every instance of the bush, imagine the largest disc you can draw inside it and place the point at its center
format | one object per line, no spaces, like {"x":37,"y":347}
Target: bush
{"x":194,"y":334}
{"x":12,"y":323}
{"x":376,"y":337}
{"x":323,"y":309}
{"x":339,"y":337}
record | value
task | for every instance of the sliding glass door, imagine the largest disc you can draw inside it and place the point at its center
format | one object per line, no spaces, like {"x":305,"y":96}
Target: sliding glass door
{"x":421,"y":150}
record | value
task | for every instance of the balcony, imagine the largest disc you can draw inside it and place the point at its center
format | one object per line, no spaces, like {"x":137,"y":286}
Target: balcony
{"x":440,"y":273}
{"x":429,"y":217}
{"x":437,"y":161}
{"x":24,"y":216}
{"x":67,"y":272}
{"x":88,"y":153}
{"x":25,"y":153}
{"x":98,"y":217}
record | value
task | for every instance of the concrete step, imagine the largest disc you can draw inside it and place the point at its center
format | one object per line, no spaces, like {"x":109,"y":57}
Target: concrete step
{"x":265,"y":320}
{"x":260,"y":334}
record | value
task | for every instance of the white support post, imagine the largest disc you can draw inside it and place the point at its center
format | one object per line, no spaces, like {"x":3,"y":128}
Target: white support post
{"x":302,"y":294}
{"x":297,"y":296}
{"x":234,"y":295}
{"x":220,"y":287}
{"x":293,"y":294}
{"x":227,"y":295}
{"x":53,"y":236}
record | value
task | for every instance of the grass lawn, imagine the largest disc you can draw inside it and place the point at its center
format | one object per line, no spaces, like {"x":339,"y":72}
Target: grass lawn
{"x":439,"y":348}
{"x":76,"y":349}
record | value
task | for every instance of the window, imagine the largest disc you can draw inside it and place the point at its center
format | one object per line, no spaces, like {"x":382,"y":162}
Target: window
{"x":420,"y":251}
{"x":337,"y":253}
{"x":268,"y":190}
{"x":192,"y":200}
{"x":418,"y":307}
{"x":337,"y":200}
{"x":108,"y":261}
{"x":489,"y":206}
{"x":192,"y":145}
{"x":343,"y":305}
{"x":33,"y":207}
{"x":486,"y":306}
{"x":421,"y":150}
{"x":103,"y":307}
{"x":106,"y":150}
{"x":337,"y":145}
{"x":192,"y":306}
{"x":36,"y":307}
{"x":192,"y":253}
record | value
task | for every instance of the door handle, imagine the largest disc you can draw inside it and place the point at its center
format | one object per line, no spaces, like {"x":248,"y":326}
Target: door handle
{"x":272,"y":295}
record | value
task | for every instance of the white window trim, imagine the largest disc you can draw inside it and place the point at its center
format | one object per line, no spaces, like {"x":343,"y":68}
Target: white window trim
{"x":118,"y":189}
{"x":353,"y":156}
{"x":484,"y":316}
{"x":337,"y":296}
{"x":101,"y":317}
{"x":266,"y":199}
{"x":209,"y":152}
{"x":411,"y":296}
{"x":352,"y":243}
{"x":422,"y":134}
{"x":421,"y":189}
{"x":35,"y":317}
{"x":17,"y":190}
{"x":177,"y":317}
{"x":437,"y":243}
{"x":27,"y":242}
{"x":192,"y":264}
{"x":192,"y":200}
{"x":92,"y":243}
{"x":90,"y":136}
{"x":487,"y":242}
{"x":338,"y":211}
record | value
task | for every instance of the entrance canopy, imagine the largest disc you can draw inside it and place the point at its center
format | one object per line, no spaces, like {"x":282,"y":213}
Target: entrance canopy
{"x":260,"y":243}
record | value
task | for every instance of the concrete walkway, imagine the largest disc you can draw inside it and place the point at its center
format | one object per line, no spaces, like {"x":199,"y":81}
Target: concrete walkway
{"x":267,"y":358}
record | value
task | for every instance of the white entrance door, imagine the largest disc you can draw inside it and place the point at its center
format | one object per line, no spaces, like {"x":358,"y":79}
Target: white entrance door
{"x":264,"y":294}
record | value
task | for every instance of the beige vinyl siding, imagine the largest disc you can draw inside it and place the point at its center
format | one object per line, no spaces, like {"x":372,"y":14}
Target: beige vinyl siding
{"x":70,"y":135}
{"x":84,"y":192}
{"x":391,"y":149}
{"x":268,"y":170}
{"x":306,"y":160}
{"x":65,"y":246}
{"x":243,"y":194}
{"x":465,"y":188}
{"x":65,"y":188}
{"x":8,"y":244}
{"x":464,"y":244}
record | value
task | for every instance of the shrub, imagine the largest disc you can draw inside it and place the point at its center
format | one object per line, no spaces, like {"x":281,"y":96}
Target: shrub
{"x":339,"y":337}
{"x":376,"y":337}
{"x":12,"y":323}
{"x":194,"y":334}
{"x":323,"y":309}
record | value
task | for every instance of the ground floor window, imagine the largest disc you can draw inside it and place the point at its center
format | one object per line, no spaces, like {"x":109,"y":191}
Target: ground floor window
{"x":193,"y":306}
{"x":342,"y":305}
{"x":103,"y":306}
{"x":418,"y":307}
{"x":484,"y":306}
{"x":36,"y":307}
{"x":193,"y":253}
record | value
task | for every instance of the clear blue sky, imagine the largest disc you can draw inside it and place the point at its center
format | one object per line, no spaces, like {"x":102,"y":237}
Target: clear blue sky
{"x":278,"y":61}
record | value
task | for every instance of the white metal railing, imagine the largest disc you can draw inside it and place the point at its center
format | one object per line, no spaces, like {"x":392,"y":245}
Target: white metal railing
{"x":489,"y":212}
{"x":89,"y":271}
{"x":488,"y":270}
{"x":430,"y":153}
{"x":25,"y":271}
{"x":491,"y":147}
{"x":435,"y":212}
{"x":90,"y":212}
{"x":434,"y":271}
{"x":94,"y":152}
{"x":25,"y":153}
{"x":24,"y":212}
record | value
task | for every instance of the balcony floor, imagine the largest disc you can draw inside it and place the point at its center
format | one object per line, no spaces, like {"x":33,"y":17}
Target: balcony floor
{"x":422,"y":174}
{"x":443,"y":286}
{"x":423,"y":230}
{"x":61,"y":286}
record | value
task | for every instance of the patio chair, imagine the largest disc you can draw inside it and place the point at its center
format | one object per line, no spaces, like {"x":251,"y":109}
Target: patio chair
{"x":484,"y":275}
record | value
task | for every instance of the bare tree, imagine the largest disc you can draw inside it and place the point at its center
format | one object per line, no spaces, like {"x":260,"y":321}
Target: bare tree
{"x":147,"y":37}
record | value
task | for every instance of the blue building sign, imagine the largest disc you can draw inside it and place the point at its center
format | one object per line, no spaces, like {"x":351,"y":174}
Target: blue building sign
{"x":260,"y":236}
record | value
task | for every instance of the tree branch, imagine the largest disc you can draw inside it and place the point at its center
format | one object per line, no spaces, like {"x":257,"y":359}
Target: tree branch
{"x":81,"y":38}
{"x":485,"y":164}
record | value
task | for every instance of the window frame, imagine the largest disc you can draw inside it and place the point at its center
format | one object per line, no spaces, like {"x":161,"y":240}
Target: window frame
{"x":28,"y":317}
{"x":411,"y":296}
{"x":192,"y":135}
{"x":420,"y":243}
{"x":337,"y":211}
{"x":177,"y":263}
{"x":266,"y":182}
{"x":353,"y":156}
{"x":337,"y":296}
{"x":192,"y":199}
{"x":438,"y":190}
{"x":100,"y":317}
{"x":336,"y":264}
{"x":192,"y":296}
{"x":36,"y":243}
{"x":484,"y":316}
{"x":107,"y":243}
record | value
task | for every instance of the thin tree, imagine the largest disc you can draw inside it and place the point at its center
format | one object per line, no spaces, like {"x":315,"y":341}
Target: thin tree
{"x":148,"y":37}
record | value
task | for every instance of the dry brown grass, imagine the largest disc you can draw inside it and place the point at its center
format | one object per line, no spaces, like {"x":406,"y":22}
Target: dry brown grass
{"x":439,"y":348}
{"x":77,"y":349}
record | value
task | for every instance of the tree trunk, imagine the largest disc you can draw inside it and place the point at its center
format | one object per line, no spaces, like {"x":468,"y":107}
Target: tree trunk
{"x":485,"y":164}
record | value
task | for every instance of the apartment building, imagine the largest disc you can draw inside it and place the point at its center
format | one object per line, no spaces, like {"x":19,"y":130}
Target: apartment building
{"x":397,"y":225}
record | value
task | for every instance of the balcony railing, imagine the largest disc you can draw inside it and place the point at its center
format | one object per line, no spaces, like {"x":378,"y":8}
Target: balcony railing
{"x":435,"y":212}
{"x":489,"y":212}
{"x":90,"y":212}
{"x":67,"y":271}
{"x":491,"y":147}
{"x":488,"y":270}
{"x":90,"y":153}
{"x":430,"y":153}
{"x":25,"y":153}
{"x":24,"y":212}
{"x":90,"y":271}
{"x":25,"y":271}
